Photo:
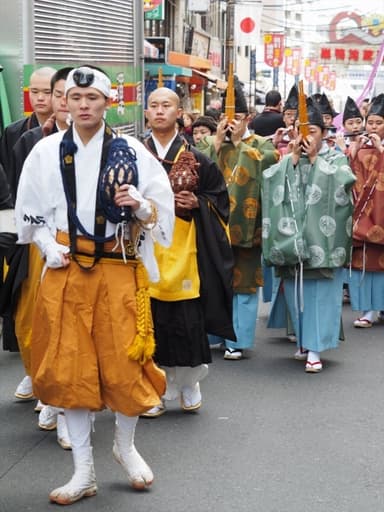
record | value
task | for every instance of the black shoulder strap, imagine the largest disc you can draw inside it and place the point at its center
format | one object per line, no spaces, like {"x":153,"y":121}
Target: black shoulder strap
{"x":67,"y":165}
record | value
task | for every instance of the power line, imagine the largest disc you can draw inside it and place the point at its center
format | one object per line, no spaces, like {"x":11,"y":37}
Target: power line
{"x":292,"y":24}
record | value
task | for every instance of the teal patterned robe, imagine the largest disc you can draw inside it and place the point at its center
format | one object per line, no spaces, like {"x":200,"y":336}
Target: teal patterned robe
{"x":307,"y":213}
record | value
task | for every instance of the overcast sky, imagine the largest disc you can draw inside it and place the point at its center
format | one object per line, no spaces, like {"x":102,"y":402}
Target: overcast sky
{"x":369,"y":6}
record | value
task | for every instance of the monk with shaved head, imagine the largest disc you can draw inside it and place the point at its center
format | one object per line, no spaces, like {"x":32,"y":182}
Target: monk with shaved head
{"x":193,"y":296}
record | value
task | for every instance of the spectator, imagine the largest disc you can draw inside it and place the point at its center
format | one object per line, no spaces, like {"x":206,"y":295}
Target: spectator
{"x":271,"y":118}
{"x":202,"y":127}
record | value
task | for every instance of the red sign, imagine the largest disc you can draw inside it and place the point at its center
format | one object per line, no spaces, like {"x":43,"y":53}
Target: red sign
{"x":347,"y":53}
{"x":273,"y":49}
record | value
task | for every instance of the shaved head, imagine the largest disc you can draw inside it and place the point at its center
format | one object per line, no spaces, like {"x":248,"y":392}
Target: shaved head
{"x":44,"y":72}
{"x":40,"y":92}
{"x":164,"y":92}
{"x":162,"y":112}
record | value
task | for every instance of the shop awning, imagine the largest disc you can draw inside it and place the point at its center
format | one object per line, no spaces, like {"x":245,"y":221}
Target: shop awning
{"x":188,"y":60}
{"x":220,"y":84}
{"x":167,"y":69}
{"x":150,"y":50}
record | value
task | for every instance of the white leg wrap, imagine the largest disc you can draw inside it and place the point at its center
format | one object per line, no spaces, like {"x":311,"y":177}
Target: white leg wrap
{"x":138,"y":472}
{"x":83,"y":481}
{"x":79,"y":427}
{"x":189,"y":377}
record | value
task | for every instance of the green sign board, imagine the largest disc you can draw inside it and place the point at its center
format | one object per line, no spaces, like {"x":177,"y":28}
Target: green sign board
{"x":156,"y":13}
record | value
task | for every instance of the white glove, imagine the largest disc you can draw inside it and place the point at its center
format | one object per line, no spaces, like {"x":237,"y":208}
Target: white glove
{"x":53,"y":253}
{"x":144,"y":210}
{"x":48,"y":246}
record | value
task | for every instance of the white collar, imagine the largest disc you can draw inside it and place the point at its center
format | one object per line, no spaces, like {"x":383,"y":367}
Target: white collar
{"x":96,"y":137}
{"x":160,"y":149}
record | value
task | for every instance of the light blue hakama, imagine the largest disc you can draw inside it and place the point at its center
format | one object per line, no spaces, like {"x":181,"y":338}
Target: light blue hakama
{"x":278,"y":314}
{"x":245,"y":307}
{"x":268,"y":276}
{"x":318,"y":327}
{"x":366,"y":291}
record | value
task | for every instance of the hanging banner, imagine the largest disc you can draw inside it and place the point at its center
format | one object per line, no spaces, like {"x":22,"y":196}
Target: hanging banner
{"x":292,"y":60}
{"x":307,"y":69}
{"x":288,"y":60}
{"x":273,"y":49}
{"x":319,"y":75}
{"x":313,"y":70}
{"x":247,"y":22}
{"x":296,"y":61}
{"x":332,"y":81}
{"x":326,"y":76}
{"x":154,"y":9}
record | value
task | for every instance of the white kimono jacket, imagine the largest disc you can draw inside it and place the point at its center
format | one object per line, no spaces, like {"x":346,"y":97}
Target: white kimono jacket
{"x":41,"y":206}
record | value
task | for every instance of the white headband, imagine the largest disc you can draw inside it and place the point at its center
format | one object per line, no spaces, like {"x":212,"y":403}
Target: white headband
{"x":88,"y":77}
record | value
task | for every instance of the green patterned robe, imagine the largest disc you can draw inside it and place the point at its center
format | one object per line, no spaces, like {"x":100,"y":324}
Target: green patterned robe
{"x":307,"y":214}
{"x":242,"y":167}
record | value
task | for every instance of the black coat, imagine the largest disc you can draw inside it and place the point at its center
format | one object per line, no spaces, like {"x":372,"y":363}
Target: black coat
{"x":16,"y":256}
{"x":267,"y":122}
{"x":11,"y":135}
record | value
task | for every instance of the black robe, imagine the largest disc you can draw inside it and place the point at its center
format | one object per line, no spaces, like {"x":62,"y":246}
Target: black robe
{"x":181,"y":327}
{"x":16,"y":256}
{"x":7,"y":242}
{"x":11,"y":135}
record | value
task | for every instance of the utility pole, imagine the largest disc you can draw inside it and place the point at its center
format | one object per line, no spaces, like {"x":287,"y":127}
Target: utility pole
{"x":230,"y":38}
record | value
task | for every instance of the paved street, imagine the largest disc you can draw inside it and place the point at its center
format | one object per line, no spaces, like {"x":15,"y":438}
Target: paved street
{"x":269,"y":438}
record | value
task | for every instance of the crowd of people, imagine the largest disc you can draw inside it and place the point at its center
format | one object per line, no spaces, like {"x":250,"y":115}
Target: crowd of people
{"x":130,"y":261}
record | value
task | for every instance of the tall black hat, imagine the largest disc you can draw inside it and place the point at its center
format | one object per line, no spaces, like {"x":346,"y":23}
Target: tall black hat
{"x":241,"y":106}
{"x":315,"y":116}
{"x":325,"y":106}
{"x":377,"y":106}
{"x":292,"y":101}
{"x":351,"y":110}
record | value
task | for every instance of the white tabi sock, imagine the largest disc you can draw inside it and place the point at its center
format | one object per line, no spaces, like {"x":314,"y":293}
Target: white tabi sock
{"x":313,"y":357}
{"x":369,"y":315}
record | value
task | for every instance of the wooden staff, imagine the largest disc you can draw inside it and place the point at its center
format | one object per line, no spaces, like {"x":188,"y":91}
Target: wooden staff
{"x":230,"y":96}
{"x":303,"y":113}
{"x":160,"y":81}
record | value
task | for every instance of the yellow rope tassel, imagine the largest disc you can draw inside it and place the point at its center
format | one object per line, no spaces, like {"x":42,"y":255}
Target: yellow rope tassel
{"x":143,"y":346}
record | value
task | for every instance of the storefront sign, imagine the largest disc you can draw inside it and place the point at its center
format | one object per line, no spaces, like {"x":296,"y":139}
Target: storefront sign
{"x":200,"y":44}
{"x":348,"y":53}
{"x":154,"y":9}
